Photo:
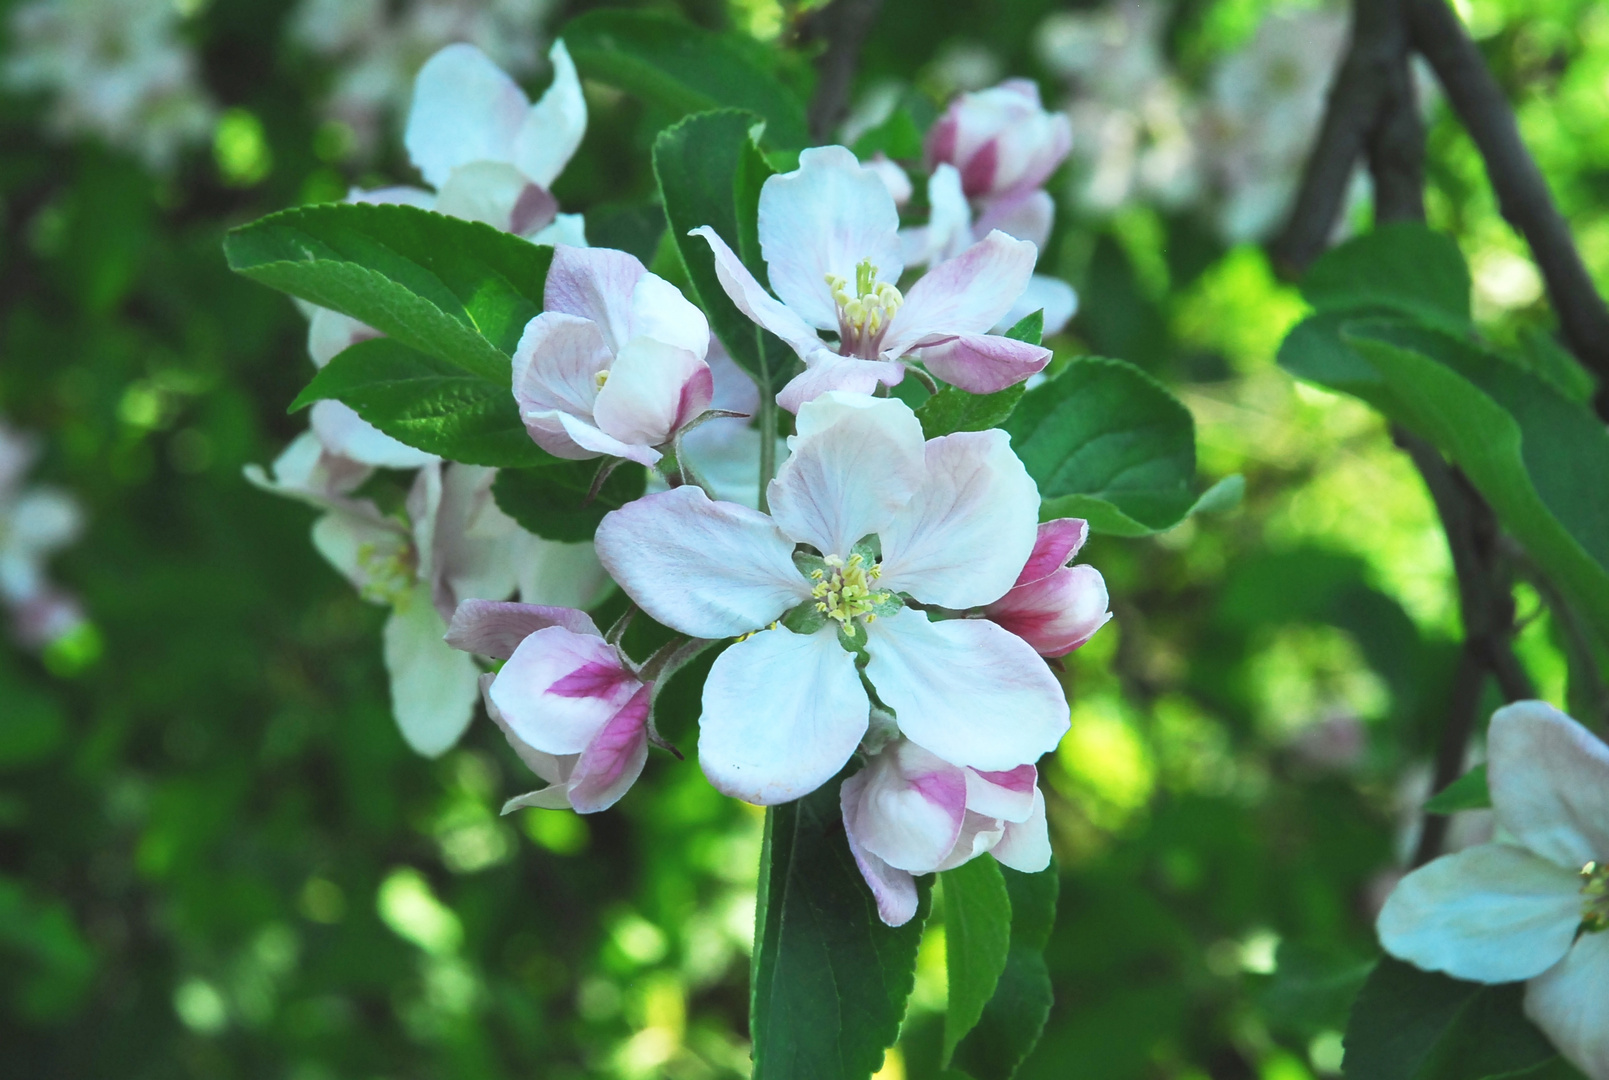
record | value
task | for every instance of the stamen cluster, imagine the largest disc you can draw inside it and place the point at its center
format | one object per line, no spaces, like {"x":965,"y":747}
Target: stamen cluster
{"x":847,"y":593}
{"x":1595,"y":897}
{"x":866,"y":313}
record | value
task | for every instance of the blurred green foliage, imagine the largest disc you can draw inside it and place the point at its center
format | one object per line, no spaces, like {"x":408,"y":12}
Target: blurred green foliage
{"x":218,"y":859}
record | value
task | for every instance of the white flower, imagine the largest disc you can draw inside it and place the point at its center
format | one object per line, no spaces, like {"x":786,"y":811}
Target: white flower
{"x":35,"y":522}
{"x":909,"y":812}
{"x":614,"y":365}
{"x":570,"y":704}
{"x":863,"y":515}
{"x":1535,"y":905}
{"x":829,"y":234}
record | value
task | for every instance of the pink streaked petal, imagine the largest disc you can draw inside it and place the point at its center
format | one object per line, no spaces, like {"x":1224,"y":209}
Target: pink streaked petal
{"x":557,"y":361}
{"x":1550,"y":783}
{"x":595,"y":284}
{"x":709,"y":569}
{"x":547,"y":429}
{"x":824,"y":218}
{"x":782,"y":714}
{"x":966,"y":690}
{"x":855,"y":461}
{"x":967,"y":530}
{"x":489,"y":192}
{"x":984,"y":363}
{"x":964,"y":295}
{"x":614,"y":759}
{"x":496,"y":628}
{"x":595,"y":679}
{"x":893,"y":890}
{"x":752,"y":299}
{"x":589,"y":436}
{"x":1025,"y":845}
{"x":649,"y":386}
{"x":1027,"y":216}
{"x":1007,"y":795}
{"x":553,"y":722}
{"x":1054,"y":547}
{"x":978,"y":170}
{"x":907,"y":807}
{"x":825,"y":370}
{"x":1056,"y":614}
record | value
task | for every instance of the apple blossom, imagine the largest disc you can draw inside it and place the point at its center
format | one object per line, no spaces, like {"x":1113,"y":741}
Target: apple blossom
{"x":614,"y":365}
{"x":873,"y":537}
{"x":35,"y":522}
{"x":724,"y":451}
{"x":570,"y":703}
{"x":909,"y":812}
{"x":1004,"y":146}
{"x":1534,"y":905}
{"x":1053,"y":606}
{"x":829,"y":234}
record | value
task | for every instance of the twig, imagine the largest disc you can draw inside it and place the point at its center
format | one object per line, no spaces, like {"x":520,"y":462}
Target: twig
{"x":1522,"y":192}
{"x":844,"y":24}
{"x":1463,"y":710}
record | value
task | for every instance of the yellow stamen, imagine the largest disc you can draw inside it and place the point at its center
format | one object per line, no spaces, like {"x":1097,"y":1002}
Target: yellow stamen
{"x":847,"y":595}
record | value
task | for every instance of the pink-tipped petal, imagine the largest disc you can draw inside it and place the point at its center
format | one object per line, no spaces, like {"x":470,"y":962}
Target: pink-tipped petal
{"x":752,"y":299}
{"x":596,"y":284}
{"x":708,"y":569}
{"x":964,"y":535}
{"x":1056,"y":614}
{"x":529,"y":694}
{"x":614,"y":758}
{"x":496,"y":628}
{"x":1025,"y":845}
{"x":1027,"y":216}
{"x":855,"y":461}
{"x":893,"y":890}
{"x":555,"y":769}
{"x":1054,"y":547}
{"x":1006,"y":795}
{"x":782,"y":714}
{"x":906,"y":807}
{"x":978,"y":835}
{"x":661,"y":312}
{"x":825,"y":370}
{"x":984,"y":363}
{"x":556,"y":364}
{"x":650,"y":388}
{"x":824,"y":218}
{"x":964,"y":295}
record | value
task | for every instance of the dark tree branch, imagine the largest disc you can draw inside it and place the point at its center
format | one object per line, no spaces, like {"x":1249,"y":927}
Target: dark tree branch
{"x":844,"y":25}
{"x":1522,"y":191}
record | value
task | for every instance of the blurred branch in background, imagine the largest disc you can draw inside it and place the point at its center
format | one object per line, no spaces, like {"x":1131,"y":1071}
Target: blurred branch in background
{"x":844,"y":25}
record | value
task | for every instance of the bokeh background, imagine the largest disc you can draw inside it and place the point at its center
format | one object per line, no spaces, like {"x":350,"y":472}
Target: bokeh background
{"x":217,"y":857}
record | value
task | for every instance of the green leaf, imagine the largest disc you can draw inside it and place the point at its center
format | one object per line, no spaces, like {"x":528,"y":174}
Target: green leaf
{"x":1015,"y":1016}
{"x":828,"y":980}
{"x":1029,"y":328}
{"x":977,"y":936}
{"x":1468,"y":792}
{"x":681,"y":68}
{"x":953,"y":409}
{"x":1403,"y":267}
{"x":457,"y":290}
{"x":1312,"y":988}
{"x":1417,"y":1025}
{"x":1555,"y":364}
{"x":552,"y":501}
{"x":710,"y":171}
{"x":1537,"y":457}
{"x":428,"y":403}
{"x":1106,"y":442}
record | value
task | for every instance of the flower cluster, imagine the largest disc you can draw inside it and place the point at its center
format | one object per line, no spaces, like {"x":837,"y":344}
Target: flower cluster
{"x":35,"y":522}
{"x":1534,"y":904}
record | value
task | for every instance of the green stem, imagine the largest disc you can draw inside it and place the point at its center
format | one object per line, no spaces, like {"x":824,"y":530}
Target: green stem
{"x":768,"y":445}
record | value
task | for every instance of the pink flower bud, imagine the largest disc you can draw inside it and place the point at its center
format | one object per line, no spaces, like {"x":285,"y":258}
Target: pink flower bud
{"x":1001,"y":139}
{"x":1054,"y":607}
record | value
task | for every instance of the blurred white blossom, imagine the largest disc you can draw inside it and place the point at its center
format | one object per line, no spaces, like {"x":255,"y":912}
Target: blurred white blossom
{"x":118,"y":69}
{"x":35,"y":522}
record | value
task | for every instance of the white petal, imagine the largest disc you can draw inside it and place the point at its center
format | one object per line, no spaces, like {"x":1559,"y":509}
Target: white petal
{"x":966,"y":294}
{"x":464,"y":109}
{"x":476,"y":543}
{"x":495,"y":193}
{"x":346,"y":434}
{"x":782,"y":714}
{"x":949,"y":223}
{"x":1550,"y":783}
{"x":568,"y":229}
{"x":661,"y":312}
{"x":1570,"y":1003}
{"x":433,"y":685}
{"x":559,"y":574}
{"x":826,"y":370}
{"x":40,"y":521}
{"x":597,"y":284}
{"x":1492,"y":913}
{"x":1027,"y":217}
{"x":554,"y":769}
{"x":330,"y":333}
{"x":964,"y":536}
{"x":588,"y":437}
{"x":1007,"y":795}
{"x":906,"y":807}
{"x":708,"y":569}
{"x":359,"y":545}
{"x":559,"y":689}
{"x":1025,"y":845}
{"x":1051,"y":295}
{"x":967,"y":690}
{"x":652,"y":389}
{"x":824,"y":218}
{"x":855,"y":460}
{"x":556,"y":365}
{"x":553,"y":127}
{"x":552,"y":797}
{"x":752,"y":299}
{"x":978,"y":835}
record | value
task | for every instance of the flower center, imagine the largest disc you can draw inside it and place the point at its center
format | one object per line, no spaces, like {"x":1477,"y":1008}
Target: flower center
{"x":864,"y":314}
{"x":843,"y":590}
{"x":388,"y":573}
{"x":1595,"y":897}
{"x":601,"y":377}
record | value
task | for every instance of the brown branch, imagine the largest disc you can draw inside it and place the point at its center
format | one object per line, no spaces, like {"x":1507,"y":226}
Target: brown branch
{"x":844,"y":24}
{"x":1522,"y":191}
